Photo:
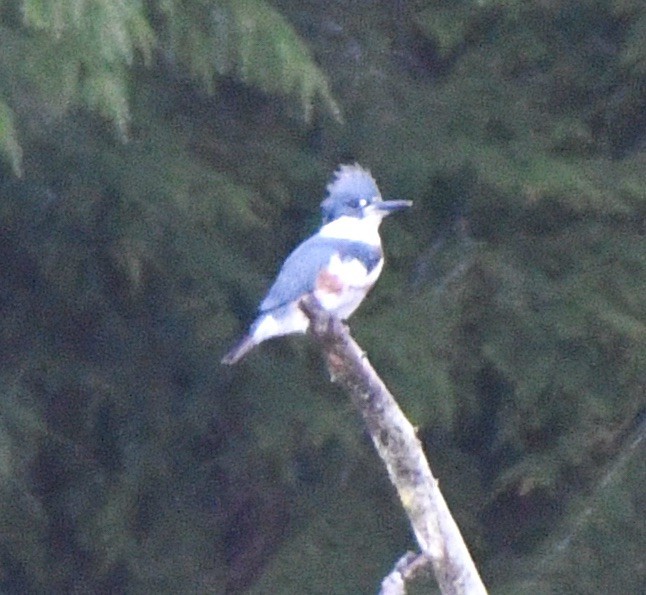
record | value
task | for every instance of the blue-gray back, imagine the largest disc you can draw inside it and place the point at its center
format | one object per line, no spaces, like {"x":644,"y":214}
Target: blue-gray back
{"x":299,"y":272}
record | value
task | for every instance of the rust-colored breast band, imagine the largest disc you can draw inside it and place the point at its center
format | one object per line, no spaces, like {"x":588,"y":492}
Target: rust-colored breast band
{"x":328,"y":282}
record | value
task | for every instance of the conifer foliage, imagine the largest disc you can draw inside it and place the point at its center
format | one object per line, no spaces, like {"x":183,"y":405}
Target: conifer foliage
{"x":153,"y":175}
{"x":83,"y":53}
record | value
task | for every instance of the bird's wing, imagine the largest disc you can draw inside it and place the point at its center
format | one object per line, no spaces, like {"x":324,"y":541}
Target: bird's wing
{"x":300,"y":271}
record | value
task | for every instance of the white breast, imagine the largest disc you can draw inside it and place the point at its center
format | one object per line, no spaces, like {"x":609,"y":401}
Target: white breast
{"x":356,"y":283}
{"x":364,"y":230}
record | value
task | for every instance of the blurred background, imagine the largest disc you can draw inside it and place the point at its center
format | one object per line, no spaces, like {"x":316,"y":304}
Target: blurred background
{"x":159,"y":159}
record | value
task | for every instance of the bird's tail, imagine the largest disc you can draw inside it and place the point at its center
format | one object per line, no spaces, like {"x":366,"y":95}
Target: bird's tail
{"x":244,"y":346}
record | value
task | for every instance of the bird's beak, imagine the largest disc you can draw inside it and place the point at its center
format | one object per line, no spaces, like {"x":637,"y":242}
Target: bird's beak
{"x":386,"y":207}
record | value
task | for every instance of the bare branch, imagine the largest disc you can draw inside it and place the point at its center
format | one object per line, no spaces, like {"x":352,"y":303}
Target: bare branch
{"x":394,"y":437}
{"x":409,"y":567}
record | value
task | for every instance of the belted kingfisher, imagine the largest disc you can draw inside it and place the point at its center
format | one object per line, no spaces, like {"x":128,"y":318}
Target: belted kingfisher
{"x":338,"y":265}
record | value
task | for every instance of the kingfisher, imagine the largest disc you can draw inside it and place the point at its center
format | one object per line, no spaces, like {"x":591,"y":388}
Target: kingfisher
{"x":338,"y":265}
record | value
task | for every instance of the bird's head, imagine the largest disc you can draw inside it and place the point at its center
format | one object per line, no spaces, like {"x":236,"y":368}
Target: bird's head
{"x":353,"y":192}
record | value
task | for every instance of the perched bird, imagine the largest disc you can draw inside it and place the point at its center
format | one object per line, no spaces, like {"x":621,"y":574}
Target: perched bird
{"x":338,"y":265}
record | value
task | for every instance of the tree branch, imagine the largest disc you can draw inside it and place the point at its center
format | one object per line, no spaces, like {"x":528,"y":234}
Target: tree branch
{"x":394,"y":438}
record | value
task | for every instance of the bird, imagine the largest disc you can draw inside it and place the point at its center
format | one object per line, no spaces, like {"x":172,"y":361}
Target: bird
{"x":338,"y":265}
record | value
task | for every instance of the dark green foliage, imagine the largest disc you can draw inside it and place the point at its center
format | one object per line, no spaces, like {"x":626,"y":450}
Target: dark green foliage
{"x":509,"y":321}
{"x":247,"y":39}
{"x":9,"y":145}
{"x":61,"y":54}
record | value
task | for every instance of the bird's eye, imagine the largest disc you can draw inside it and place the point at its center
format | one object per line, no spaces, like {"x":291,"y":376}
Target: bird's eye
{"x":363,"y":202}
